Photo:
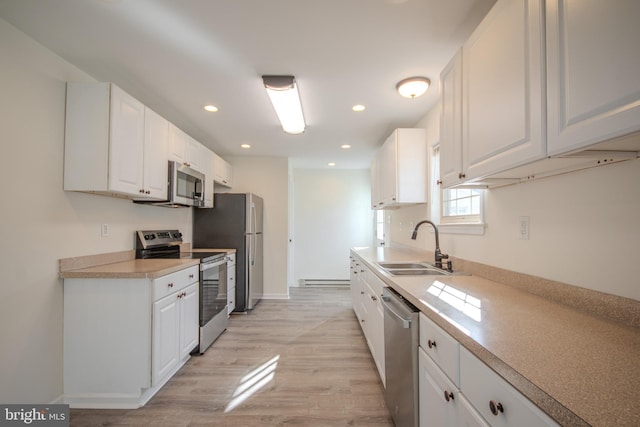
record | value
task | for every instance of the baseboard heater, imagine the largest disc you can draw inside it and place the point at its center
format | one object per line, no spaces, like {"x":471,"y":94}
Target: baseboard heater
{"x":323,"y":282}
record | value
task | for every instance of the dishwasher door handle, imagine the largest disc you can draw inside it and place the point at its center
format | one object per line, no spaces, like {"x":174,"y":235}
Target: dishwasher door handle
{"x":406,"y":323}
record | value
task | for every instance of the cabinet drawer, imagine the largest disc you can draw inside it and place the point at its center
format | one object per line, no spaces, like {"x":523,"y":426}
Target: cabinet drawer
{"x":165,"y":285}
{"x":496,"y":400}
{"x":441,"y":347}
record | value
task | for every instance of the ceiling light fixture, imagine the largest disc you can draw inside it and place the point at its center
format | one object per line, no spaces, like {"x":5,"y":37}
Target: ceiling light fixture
{"x":345,"y":146}
{"x":211,"y":108}
{"x":283,"y":93}
{"x":331,"y":164}
{"x":413,"y":87}
{"x":246,"y":146}
{"x":358,"y":108}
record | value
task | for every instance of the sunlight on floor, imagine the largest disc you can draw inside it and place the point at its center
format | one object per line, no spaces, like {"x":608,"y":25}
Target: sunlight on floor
{"x":252,"y":382}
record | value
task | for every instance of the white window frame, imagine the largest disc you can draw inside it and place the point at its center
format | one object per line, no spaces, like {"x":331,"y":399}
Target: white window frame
{"x":458,"y":224}
{"x":379,"y":221}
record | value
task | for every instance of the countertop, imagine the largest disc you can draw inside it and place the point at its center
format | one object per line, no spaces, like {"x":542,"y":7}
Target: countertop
{"x":578,"y":368}
{"x":123,"y":265}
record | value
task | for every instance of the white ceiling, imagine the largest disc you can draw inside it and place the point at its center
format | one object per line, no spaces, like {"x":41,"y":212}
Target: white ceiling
{"x":177,"y":56}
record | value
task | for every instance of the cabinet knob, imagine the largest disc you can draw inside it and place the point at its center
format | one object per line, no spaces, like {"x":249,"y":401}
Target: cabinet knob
{"x":462,"y":175}
{"x":431,"y":344}
{"x":147,"y":192}
{"x":191,"y":276}
{"x":141,"y":190}
{"x":374,"y":298}
{"x":495,"y":408}
{"x":361,"y":292}
{"x":439,"y":182}
{"x":448,"y":395}
{"x":170,"y":285}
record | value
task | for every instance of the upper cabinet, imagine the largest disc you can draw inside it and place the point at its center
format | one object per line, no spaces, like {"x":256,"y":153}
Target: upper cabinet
{"x":399,"y":170}
{"x":105,"y":144}
{"x":222,"y":171}
{"x":451,"y":122}
{"x":502,"y":94}
{"x":156,"y":143}
{"x":593,"y":71}
{"x":184,"y":149}
{"x":535,"y":105}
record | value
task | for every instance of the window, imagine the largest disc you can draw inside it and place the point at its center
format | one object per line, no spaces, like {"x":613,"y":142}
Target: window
{"x":455,"y":206}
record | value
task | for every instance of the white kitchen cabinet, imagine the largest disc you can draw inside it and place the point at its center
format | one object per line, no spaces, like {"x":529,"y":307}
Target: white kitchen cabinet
{"x":175,"y":326}
{"x":498,"y":402}
{"x":503,"y":90}
{"x":441,"y":403}
{"x":451,"y":122}
{"x":593,"y":72}
{"x":156,"y":143}
{"x":124,"y":338}
{"x":184,"y":149}
{"x":400,"y":169}
{"x":366,"y":293}
{"x":231,"y":283}
{"x":105,"y":144}
{"x":223,"y":172}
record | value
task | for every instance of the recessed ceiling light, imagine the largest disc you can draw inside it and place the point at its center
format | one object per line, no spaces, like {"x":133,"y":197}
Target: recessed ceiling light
{"x":358,"y":107}
{"x":211,"y":108}
{"x":331,"y":164}
{"x":245,"y":146}
{"x":345,"y":146}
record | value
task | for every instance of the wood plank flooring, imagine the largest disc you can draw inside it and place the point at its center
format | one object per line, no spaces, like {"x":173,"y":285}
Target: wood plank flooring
{"x":301,"y":362}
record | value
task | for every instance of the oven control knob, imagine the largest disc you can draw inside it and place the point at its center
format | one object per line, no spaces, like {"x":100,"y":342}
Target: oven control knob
{"x":149,"y":236}
{"x":176,"y":235}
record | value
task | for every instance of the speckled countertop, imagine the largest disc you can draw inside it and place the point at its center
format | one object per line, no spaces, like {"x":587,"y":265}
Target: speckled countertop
{"x":123,"y":265}
{"x":578,"y":368}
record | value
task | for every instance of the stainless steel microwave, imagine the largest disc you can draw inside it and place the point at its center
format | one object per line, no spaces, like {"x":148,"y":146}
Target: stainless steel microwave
{"x":185,"y":187}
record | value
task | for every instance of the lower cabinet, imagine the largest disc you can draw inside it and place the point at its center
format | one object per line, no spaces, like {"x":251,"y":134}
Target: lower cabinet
{"x":175,"y":331}
{"x":125,"y":338}
{"x":366,"y":291}
{"x":457,"y":389}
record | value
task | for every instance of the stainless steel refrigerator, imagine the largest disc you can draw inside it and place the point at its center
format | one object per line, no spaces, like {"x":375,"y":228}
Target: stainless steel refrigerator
{"x":235,"y":222}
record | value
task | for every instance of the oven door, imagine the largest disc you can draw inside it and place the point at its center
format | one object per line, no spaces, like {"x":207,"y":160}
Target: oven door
{"x":213,"y":290}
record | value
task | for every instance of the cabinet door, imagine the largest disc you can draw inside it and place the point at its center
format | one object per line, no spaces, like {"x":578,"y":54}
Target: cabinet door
{"x":388,"y":169}
{"x":495,"y":399}
{"x":177,"y":143}
{"x":435,"y":408}
{"x":503,"y":103}
{"x":166,"y":337}
{"x":451,"y":122}
{"x":593,"y":70}
{"x":126,"y":145}
{"x":193,"y":155}
{"x":156,"y":144}
{"x":189,"y":322}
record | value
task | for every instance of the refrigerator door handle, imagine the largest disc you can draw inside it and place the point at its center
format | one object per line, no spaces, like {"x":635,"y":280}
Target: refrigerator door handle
{"x":253,"y":233}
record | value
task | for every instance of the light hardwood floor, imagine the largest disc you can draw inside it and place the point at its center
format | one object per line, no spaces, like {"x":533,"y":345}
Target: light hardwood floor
{"x":300,"y":362}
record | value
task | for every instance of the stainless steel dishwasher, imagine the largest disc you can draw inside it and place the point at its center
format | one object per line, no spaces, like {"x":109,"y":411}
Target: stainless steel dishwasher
{"x":401,"y":340}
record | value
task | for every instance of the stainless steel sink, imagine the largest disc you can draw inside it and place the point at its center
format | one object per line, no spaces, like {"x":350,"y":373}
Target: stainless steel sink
{"x":417,"y":272}
{"x":412,"y":268}
{"x":412,"y":264}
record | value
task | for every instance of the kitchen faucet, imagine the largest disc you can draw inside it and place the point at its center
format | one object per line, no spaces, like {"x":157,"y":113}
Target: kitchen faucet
{"x":439,"y":255}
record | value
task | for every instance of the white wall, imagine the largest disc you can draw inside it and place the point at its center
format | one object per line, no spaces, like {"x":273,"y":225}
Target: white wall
{"x":331,"y":214}
{"x":584,"y":229}
{"x":40,"y":223}
{"x":268,"y":177}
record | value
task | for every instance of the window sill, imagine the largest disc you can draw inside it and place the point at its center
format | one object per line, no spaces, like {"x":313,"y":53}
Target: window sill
{"x":471,"y":229}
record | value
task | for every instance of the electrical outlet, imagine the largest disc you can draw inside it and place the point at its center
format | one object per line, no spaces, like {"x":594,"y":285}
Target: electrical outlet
{"x":523,"y":229}
{"x":104,"y":230}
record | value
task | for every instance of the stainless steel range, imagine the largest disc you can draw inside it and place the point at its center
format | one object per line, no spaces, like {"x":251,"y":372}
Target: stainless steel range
{"x":213,"y":279}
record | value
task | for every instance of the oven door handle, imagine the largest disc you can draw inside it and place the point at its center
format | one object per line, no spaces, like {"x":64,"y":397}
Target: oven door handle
{"x":209,"y":265}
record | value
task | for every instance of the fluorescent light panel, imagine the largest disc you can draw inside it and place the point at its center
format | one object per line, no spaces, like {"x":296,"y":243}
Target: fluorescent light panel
{"x":283,"y":93}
